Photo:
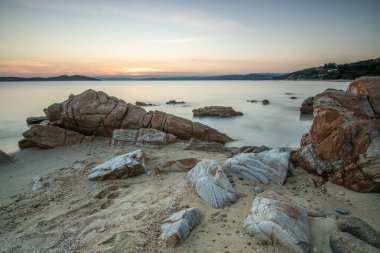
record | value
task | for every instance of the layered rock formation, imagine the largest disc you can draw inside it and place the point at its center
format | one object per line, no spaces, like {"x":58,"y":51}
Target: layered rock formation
{"x":343,"y":143}
{"x":94,"y":113}
{"x":221,"y":111}
{"x":276,"y":220}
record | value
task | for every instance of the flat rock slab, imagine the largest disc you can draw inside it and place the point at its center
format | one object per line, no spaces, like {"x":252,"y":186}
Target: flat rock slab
{"x":212,"y":184}
{"x":179,"y":225}
{"x":127,"y":165}
{"x":341,"y":242}
{"x":220,"y":111}
{"x":143,"y":136}
{"x":263,"y":167}
{"x":277,"y":220}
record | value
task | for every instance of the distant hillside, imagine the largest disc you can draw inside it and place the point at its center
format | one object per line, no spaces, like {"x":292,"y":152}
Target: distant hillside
{"x":253,"y":76}
{"x":56,"y":78}
{"x":333,"y":71}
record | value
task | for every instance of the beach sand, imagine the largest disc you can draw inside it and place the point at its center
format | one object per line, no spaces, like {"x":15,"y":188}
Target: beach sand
{"x":73,"y":214}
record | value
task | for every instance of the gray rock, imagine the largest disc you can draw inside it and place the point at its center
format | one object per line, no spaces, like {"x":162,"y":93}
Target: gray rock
{"x":265,"y":102}
{"x":341,"y":242}
{"x":179,"y":225}
{"x":341,"y":210}
{"x":221,"y":111}
{"x":122,"y":137}
{"x":35,"y":120}
{"x":359,"y":228}
{"x":195,"y":144}
{"x":154,"y":137}
{"x":258,"y":189}
{"x":307,"y":106}
{"x":37,"y":183}
{"x":264,"y":167}
{"x":4,"y":158}
{"x":127,"y":165}
{"x":212,"y":184}
{"x":276,"y":220}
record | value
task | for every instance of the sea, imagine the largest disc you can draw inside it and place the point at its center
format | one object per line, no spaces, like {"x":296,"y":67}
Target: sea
{"x":274,"y":125}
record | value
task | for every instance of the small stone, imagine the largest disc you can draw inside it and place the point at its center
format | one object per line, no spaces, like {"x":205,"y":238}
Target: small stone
{"x":341,"y":210}
{"x":37,"y":183}
{"x":258,"y":189}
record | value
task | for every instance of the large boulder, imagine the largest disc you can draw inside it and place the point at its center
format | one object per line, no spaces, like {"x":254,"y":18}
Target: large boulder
{"x":46,"y":136}
{"x":307,"y":106}
{"x":264,"y":167}
{"x":341,"y":242}
{"x":277,"y":220}
{"x":127,"y":165}
{"x":143,"y":136}
{"x":343,"y":143}
{"x":178,"y":226}
{"x":212,"y":184}
{"x":221,"y":111}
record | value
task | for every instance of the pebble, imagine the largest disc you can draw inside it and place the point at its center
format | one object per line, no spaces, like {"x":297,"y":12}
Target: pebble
{"x":258,"y":189}
{"x":341,"y":210}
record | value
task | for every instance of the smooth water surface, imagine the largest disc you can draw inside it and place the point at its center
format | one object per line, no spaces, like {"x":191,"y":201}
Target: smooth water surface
{"x":273,"y":125}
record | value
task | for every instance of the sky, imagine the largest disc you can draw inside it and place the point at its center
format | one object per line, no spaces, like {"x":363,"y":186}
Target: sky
{"x":181,"y":37}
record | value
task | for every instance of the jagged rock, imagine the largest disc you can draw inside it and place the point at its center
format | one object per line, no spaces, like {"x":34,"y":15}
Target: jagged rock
{"x":195,"y":144}
{"x":46,"y":136}
{"x":173,"y":102}
{"x":221,"y":111}
{"x":264,"y":167}
{"x":212,"y":184}
{"x":35,"y":120}
{"x":277,"y":220}
{"x":307,"y":106}
{"x":359,"y":228}
{"x":154,"y":137}
{"x":344,"y":140}
{"x":38,"y":184}
{"x":341,"y":242}
{"x":127,"y":165}
{"x":178,"y":226}
{"x":4,"y":158}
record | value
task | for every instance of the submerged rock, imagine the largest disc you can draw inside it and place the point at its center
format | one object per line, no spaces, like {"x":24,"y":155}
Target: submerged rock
{"x":127,"y":165}
{"x":178,"y":226}
{"x":264,"y":167}
{"x":341,"y":242}
{"x":307,"y":106}
{"x":212,"y":184}
{"x":277,"y":220}
{"x":221,"y":111}
{"x":343,"y":143}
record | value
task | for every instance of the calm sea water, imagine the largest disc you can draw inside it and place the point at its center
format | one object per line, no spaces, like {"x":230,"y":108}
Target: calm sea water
{"x":273,"y":125}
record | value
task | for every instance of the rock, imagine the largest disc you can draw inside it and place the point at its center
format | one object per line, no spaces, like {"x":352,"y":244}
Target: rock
{"x":173,"y":102}
{"x":37,"y":183}
{"x":307,"y":106}
{"x":265,"y":102}
{"x":248,"y":149}
{"x":122,"y":137}
{"x":344,"y":140}
{"x":212,"y":184}
{"x":258,"y":189}
{"x":341,"y":210}
{"x":195,"y":144}
{"x":35,"y":120}
{"x":252,"y":101}
{"x":143,"y":104}
{"x":181,"y":165}
{"x":263,"y":167}
{"x":178,"y":226}
{"x":277,"y":220}
{"x":154,"y":137}
{"x":46,"y":136}
{"x":341,"y":242}
{"x":127,"y":165}
{"x":359,"y":228}
{"x":221,"y":111}
{"x":4,"y":158}
{"x":292,"y":97}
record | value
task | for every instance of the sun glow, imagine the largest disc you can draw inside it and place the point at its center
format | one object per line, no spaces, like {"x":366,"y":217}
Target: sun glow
{"x":139,"y":70}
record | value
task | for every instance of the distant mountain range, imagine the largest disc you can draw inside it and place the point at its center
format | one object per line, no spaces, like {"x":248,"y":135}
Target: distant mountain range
{"x":333,"y":71}
{"x":55,"y":78}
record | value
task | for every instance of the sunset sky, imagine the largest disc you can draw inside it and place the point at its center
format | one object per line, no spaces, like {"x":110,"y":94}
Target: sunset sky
{"x":92,"y":37}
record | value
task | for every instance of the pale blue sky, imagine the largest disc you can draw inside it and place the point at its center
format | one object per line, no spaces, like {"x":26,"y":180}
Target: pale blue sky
{"x":40,"y":37}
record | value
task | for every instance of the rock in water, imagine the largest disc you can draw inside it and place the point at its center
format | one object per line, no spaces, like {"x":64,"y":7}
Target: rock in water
{"x":212,"y":184}
{"x":277,"y":220}
{"x":344,"y":140}
{"x":179,"y":225}
{"x":341,"y":242}
{"x":127,"y":165}
{"x":221,"y":111}
{"x":264,"y":167}
{"x":307,"y":106}
{"x":359,"y":228}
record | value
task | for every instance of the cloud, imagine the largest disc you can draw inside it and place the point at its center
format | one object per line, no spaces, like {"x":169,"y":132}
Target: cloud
{"x":24,"y":64}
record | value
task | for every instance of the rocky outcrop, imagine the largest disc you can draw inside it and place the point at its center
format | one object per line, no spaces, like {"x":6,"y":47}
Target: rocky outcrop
{"x":178,"y":226}
{"x":212,"y":184}
{"x":96,"y":113}
{"x":277,"y":220}
{"x":174,"y":102}
{"x":343,"y":143}
{"x":143,"y":104}
{"x":307,"y":106}
{"x":264,"y":167}
{"x":127,"y":165}
{"x":46,"y":136}
{"x":148,"y":136}
{"x":195,"y":144}
{"x":341,"y":242}
{"x":220,"y":111}
{"x":35,"y":120}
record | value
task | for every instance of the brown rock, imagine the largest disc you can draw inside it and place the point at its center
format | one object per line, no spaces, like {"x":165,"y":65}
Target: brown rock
{"x":344,"y":140}
{"x":307,"y":106}
{"x":46,"y":136}
{"x":180,"y":165}
{"x":195,"y":144}
{"x":221,"y":111}
{"x":4,"y":158}
{"x":134,"y":117}
{"x":35,"y":120}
